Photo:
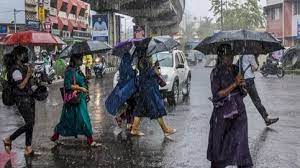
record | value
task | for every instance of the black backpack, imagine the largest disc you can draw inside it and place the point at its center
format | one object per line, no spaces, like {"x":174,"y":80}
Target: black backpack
{"x":7,"y":92}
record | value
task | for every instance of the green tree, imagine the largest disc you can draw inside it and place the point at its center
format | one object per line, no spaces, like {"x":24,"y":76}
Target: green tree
{"x":236,"y":15}
{"x":206,"y":27}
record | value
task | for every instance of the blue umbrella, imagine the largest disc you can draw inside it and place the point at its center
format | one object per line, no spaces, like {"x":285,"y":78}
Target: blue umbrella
{"x":153,"y":45}
{"x":124,"y":47}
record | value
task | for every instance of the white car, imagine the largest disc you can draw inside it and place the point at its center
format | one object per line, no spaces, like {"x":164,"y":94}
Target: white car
{"x":175,"y":71}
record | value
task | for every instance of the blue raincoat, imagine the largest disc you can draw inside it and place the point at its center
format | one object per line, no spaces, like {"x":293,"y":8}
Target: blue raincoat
{"x":125,"y":88}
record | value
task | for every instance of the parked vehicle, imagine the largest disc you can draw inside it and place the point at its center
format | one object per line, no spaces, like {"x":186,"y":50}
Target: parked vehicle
{"x":192,"y":56}
{"x":272,"y":68}
{"x":176,"y":73}
{"x":99,"y":68}
{"x":41,"y":75}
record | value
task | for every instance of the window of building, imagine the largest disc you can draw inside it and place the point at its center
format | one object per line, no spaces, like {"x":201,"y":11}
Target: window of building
{"x":74,"y":9}
{"x":275,"y":13}
{"x":53,"y":3}
{"x":55,"y":26}
{"x":82,"y":12}
{"x":65,"y":28}
{"x":297,"y":8}
{"x":64,"y":7}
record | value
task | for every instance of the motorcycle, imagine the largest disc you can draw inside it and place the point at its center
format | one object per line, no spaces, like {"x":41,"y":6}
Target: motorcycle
{"x":99,"y":68}
{"x":43,"y":73}
{"x":272,"y":68}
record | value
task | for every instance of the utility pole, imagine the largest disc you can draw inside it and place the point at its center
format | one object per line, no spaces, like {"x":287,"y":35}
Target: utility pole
{"x":15,"y":19}
{"x":283,"y":20}
{"x":222,"y":15}
{"x":125,"y":29}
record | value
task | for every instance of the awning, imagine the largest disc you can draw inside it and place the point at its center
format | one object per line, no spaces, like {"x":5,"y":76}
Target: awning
{"x":59,"y":41}
{"x":64,"y":21}
{"x":82,"y":25}
{"x":73,"y":23}
{"x":81,"y":4}
{"x":53,"y":19}
{"x":73,"y":2}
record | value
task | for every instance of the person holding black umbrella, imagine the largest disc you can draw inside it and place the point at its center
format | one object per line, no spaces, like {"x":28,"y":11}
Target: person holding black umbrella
{"x":75,"y":119}
{"x":228,"y":135}
{"x":250,"y":64}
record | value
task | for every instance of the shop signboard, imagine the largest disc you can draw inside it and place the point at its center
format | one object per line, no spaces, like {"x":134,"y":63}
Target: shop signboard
{"x":33,"y":25}
{"x":100,"y":27}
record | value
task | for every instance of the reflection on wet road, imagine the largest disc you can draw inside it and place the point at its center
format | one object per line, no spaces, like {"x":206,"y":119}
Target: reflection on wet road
{"x":275,"y":147}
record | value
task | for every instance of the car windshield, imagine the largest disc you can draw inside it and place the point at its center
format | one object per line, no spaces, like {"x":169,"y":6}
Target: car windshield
{"x":165,"y":59}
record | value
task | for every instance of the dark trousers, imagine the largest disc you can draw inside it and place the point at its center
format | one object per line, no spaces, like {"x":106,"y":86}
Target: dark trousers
{"x":26,"y":107}
{"x":250,"y":86}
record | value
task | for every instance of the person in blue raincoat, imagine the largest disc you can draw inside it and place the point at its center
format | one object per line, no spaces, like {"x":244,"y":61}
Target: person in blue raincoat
{"x":150,"y":103}
{"x":126,"y":73}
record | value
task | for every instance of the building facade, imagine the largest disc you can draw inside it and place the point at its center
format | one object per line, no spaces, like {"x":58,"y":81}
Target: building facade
{"x":69,"y":18}
{"x":283,"y":20}
{"x":65,"y":18}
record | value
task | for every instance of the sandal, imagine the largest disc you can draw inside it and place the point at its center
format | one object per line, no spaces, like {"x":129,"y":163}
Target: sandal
{"x":136,"y":133}
{"x":118,"y":121}
{"x":170,"y":132}
{"x":94,"y":144}
{"x":7,"y":146}
{"x":32,"y":154}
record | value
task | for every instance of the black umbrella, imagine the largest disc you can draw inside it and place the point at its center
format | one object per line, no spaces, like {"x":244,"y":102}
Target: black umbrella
{"x":160,"y":43}
{"x":87,"y":47}
{"x":241,"y":41}
{"x":291,"y":57}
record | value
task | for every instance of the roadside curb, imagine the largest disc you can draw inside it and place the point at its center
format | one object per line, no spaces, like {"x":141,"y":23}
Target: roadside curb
{"x":293,"y":72}
{"x":108,"y":70}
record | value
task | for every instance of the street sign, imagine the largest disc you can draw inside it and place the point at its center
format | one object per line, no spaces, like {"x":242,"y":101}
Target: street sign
{"x":47,"y":26}
{"x":42,"y":15}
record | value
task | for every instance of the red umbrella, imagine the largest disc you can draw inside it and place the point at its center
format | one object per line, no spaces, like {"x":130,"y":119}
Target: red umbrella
{"x":31,"y":38}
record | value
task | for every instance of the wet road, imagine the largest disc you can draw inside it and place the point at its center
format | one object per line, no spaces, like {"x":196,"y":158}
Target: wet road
{"x":274,"y":147}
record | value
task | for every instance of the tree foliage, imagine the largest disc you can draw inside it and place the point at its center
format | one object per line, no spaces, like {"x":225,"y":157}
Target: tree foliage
{"x":237,"y":15}
{"x":206,"y":27}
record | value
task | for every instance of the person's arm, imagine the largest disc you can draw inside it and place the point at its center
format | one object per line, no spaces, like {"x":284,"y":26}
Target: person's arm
{"x":78,"y":88}
{"x":69,"y":82}
{"x":18,"y":77}
{"x":228,"y":90}
{"x":253,"y":63}
{"x":215,"y":86}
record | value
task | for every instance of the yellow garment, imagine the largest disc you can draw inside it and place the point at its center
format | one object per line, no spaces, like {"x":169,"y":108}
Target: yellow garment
{"x":88,"y":61}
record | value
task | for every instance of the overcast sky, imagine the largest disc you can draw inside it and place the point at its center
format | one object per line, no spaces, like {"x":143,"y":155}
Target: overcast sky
{"x":7,"y":11}
{"x":201,"y":7}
